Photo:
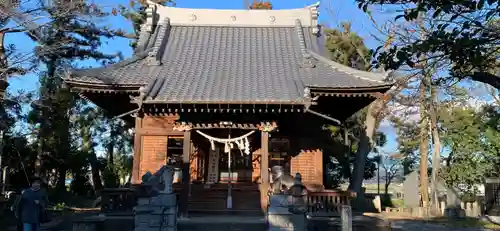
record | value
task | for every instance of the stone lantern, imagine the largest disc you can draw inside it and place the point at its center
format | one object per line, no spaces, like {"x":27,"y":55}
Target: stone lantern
{"x":298,"y":192}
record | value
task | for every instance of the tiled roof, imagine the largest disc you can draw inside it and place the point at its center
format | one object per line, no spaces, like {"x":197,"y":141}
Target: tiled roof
{"x":233,"y":64}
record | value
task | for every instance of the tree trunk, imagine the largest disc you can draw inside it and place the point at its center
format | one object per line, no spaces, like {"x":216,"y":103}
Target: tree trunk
{"x":111,"y":144}
{"x":3,"y":89}
{"x":47,"y":90}
{"x":96,"y":176}
{"x":94,"y":165}
{"x":436,"y":157}
{"x":61,"y":178}
{"x":64,"y":149}
{"x":364,"y":148}
{"x":424,"y":144}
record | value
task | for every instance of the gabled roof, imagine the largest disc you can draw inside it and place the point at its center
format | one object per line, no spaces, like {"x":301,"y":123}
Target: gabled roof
{"x":229,"y":56}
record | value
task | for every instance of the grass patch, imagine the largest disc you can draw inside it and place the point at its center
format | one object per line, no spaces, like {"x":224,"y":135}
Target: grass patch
{"x":397,"y":203}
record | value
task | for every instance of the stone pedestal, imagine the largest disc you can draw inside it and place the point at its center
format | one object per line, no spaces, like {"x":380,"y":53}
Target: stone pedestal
{"x":156,"y":213}
{"x":280,"y":218}
{"x":346,"y":218}
{"x":453,"y":204}
{"x":88,"y":224}
{"x":454,"y":212}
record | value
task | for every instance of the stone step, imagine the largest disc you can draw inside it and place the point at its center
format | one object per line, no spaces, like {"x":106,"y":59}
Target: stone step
{"x":241,"y":203}
{"x":225,"y":186}
{"x":226,"y":213}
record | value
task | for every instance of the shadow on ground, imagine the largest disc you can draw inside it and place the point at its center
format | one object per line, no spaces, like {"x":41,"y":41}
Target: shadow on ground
{"x":442,"y":224}
{"x":360,"y":223}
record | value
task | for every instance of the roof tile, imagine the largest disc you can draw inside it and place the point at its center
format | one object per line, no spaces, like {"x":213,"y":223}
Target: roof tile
{"x":234,"y":64}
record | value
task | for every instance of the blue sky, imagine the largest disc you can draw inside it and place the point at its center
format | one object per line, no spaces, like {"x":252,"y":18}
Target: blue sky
{"x":332,"y":13}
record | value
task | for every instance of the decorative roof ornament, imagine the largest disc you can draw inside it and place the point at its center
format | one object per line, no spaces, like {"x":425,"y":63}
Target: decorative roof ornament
{"x":193,"y":17}
{"x":150,"y":17}
{"x":314,"y":9}
{"x":307,"y":93}
{"x":182,"y":127}
{"x":267,"y":127}
{"x":144,"y":36}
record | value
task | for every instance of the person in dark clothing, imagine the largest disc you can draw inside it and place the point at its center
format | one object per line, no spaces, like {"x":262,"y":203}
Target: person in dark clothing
{"x":32,"y":204}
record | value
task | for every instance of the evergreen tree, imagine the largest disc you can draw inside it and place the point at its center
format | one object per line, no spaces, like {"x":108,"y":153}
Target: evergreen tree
{"x":69,"y":36}
{"x":465,"y":33}
{"x":135,"y":12}
{"x":359,"y":132}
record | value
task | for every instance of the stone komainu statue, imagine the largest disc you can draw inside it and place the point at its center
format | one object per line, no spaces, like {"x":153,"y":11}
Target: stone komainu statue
{"x":161,"y":181}
{"x":282,"y":182}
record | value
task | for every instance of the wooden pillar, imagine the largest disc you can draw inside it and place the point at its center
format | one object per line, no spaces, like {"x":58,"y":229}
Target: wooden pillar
{"x":184,"y":197}
{"x":264,"y":159}
{"x":264,"y":170}
{"x":136,"y":168}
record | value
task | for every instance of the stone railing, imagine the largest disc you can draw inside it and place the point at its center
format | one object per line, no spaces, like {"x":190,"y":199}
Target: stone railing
{"x":465,"y":210}
{"x":118,"y":200}
{"x":328,"y":203}
{"x":282,"y":218}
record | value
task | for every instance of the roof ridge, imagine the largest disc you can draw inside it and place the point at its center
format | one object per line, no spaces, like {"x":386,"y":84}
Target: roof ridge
{"x":154,"y":57}
{"x":236,"y":17}
{"x":146,"y":29}
{"x":143,"y":40}
{"x":365,"y":75}
{"x":306,"y":57}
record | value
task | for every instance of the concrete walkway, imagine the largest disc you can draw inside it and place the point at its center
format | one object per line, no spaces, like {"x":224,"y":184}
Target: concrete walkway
{"x":405,"y":225}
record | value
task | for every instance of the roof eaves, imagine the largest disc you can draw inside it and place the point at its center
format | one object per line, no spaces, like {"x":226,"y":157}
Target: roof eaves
{"x":250,"y":102}
{"x":383,"y":87}
{"x":100,"y":84}
{"x":95,"y":72}
{"x":381,"y":78}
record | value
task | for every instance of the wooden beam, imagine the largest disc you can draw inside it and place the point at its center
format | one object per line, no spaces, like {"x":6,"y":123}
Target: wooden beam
{"x":183,"y":205}
{"x":269,"y":126}
{"x":136,"y":177}
{"x":159,"y":132}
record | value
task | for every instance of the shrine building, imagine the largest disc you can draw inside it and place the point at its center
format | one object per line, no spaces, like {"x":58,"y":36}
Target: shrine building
{"x":227,"y":94}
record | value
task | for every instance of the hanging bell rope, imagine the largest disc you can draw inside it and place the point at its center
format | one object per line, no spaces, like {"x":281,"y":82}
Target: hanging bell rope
{"x":241,"y":142}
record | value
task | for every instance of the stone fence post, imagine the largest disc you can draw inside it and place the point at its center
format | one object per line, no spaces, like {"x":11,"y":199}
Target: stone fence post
{"x":346,"y":217}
